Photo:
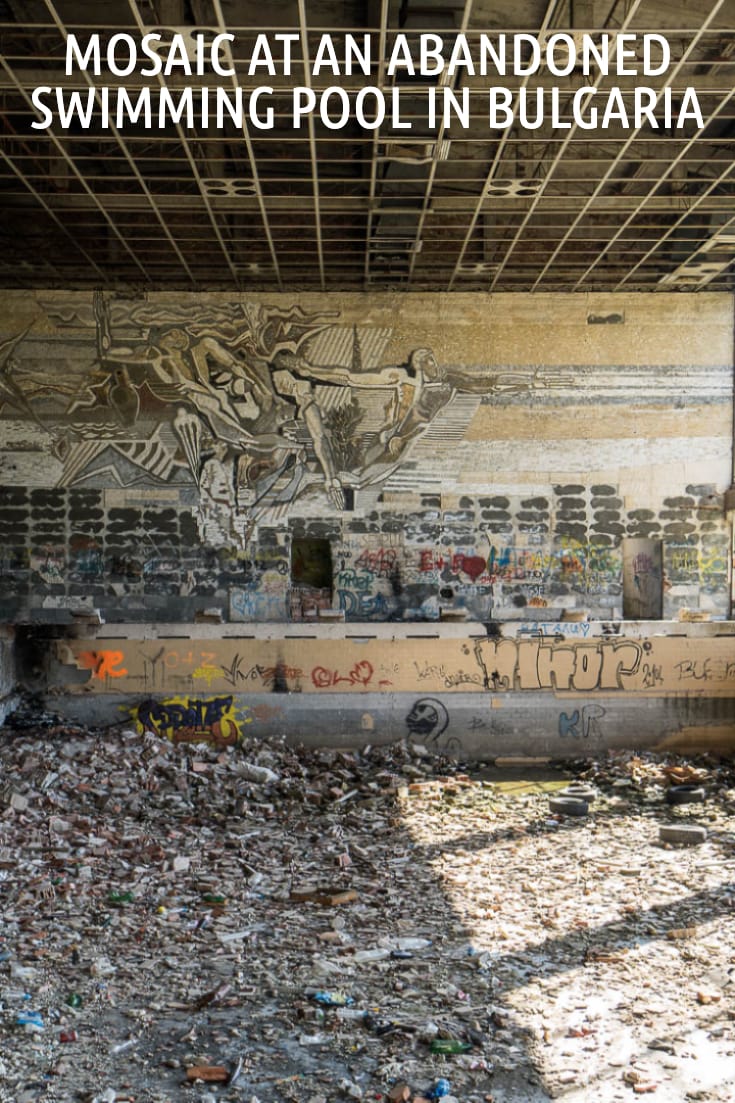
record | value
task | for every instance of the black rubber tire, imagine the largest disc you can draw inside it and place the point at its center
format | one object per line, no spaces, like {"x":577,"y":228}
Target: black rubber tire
{"x":579,"y":791}
{"x":685,"y":794}
{"x":569,"y":806}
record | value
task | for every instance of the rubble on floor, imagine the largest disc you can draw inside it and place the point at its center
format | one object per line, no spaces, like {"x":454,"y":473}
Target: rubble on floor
{"x":262,"y":923}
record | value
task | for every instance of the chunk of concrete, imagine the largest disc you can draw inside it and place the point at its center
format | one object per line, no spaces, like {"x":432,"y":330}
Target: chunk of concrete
{"x":690,"y":833}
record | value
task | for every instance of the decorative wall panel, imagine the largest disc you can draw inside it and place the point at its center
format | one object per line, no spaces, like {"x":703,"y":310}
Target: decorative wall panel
{"x":466,"y":452}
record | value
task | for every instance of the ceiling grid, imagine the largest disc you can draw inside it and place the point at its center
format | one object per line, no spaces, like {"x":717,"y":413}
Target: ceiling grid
{"x":431,"y":208}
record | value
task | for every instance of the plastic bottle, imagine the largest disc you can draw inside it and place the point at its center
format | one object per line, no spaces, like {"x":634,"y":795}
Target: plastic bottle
{"x":412,"y":943}
{"x":118,"y":898}
{"x":370,"y":955}
{"x":31,"y":1020}
{"x":122,"y":1046}
{"x":449,"y":1045}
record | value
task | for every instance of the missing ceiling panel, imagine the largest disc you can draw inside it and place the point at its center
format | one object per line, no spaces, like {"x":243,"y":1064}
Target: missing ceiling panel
{"x":440,"y":15}
{"x":393,"y":248}
{"x":514,"y":210}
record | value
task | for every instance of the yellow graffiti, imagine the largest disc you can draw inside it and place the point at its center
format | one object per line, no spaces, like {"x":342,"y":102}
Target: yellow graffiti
{"x":192,"y":720}
{"x":209,"y":672}
{"x":713,"y":562}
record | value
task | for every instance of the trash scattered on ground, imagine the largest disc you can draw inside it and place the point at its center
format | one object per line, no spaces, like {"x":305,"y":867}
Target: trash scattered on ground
{"x":186,"y":922}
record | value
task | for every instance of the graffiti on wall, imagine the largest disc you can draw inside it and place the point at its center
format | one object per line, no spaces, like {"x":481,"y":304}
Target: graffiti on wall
{"x":582,"y":724}
{"x":606,"y":664}
{"x":642,"y":579}
{"x":427,"y":724}
{"x":192,"y":720}
{"x":375,"y":582}
{"x":103,"y":664}
{"x":580,"y":666}
{"x":138,"y":436}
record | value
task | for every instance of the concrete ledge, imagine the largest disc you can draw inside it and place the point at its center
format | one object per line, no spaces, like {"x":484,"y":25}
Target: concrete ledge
{"x":468,"y":725}
{"x":407,"y":630}
{"x":318,"y":630}
{"x":477,"y":696}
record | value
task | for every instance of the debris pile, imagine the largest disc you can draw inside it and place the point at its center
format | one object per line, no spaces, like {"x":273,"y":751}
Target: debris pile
{"x":265,"y":923}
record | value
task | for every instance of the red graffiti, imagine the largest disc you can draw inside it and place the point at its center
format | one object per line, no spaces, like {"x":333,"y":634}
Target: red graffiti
{"x":103,"y":663}
{"x":473,"y":565}
{"x":360,"y":675}
{"x":383,"y":561}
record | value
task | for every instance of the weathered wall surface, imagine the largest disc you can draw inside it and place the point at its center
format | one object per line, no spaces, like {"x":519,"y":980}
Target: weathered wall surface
{"x":159,"y":456}
{"x":655,"y":665}
{"x":7,"y":672}
{"x":470,"y":695}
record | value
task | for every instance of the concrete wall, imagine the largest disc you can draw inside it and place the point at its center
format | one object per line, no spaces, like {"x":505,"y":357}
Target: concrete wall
{"x":8,"y":698}
{"x":451,"y":689}
{"x":488,"y":453}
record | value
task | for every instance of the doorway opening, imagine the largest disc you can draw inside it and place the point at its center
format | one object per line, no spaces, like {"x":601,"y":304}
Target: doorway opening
{"x":311,"y":577}
{"x":643,"y":589}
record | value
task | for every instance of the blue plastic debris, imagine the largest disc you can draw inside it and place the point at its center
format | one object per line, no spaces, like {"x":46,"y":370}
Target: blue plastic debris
{"x":333,"y":999}
{"x":31,"y":1020}
{"x":440,"y":1089}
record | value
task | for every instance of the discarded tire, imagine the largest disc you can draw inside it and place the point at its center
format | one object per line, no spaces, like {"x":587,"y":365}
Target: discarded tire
{"x":579,"y":791}
{"x":569,"y":806}
{"x":682,"y":833}
{"x":685,"y":794}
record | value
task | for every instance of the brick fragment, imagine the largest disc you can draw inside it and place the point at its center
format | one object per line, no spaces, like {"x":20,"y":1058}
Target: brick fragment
{"x":213,"y":1074}
{"x":327,"y":897}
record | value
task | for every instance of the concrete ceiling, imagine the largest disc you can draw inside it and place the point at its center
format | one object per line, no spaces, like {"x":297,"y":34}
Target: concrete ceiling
{"x":317,"y":209}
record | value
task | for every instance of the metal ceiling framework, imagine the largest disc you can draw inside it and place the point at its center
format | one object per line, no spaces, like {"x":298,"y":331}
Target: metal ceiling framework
{"x":369,"y":210}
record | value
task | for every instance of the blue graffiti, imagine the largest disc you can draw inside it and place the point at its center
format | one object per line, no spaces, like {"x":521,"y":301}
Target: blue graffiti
{"x":581,"y":725}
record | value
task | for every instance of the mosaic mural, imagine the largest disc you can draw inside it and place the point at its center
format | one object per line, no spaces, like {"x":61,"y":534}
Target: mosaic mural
{"x":256,"y":406}
{"x":163,"y":457}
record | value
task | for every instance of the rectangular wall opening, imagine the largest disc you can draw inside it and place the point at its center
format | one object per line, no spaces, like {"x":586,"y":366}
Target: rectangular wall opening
{"x":643,"y":589}
{"x":311,"y":578}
